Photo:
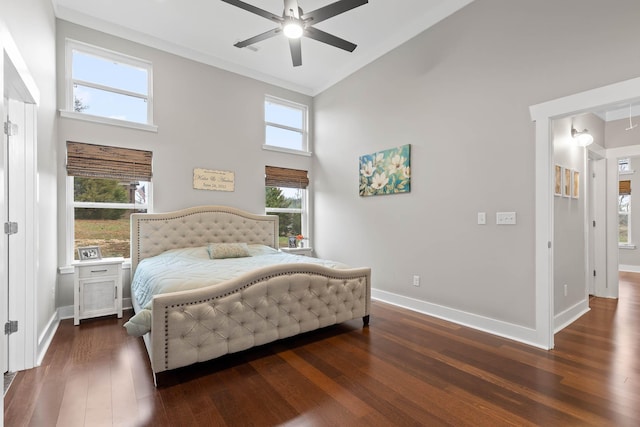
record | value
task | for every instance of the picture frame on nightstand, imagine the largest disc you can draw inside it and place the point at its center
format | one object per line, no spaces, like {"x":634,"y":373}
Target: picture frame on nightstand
{"x":89,"y":253}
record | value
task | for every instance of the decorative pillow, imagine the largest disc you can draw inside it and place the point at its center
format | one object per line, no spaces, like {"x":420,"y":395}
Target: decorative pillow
{"x":228,"y":250}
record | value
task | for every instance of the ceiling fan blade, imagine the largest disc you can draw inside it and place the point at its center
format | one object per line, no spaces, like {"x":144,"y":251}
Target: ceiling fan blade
{"x":332,"y":9}
{"x":250,"y":8}
{"x":259,"y":38}
{"x":291,"y":8}
{"x":296,"y":52}
{"x":321,"y":36}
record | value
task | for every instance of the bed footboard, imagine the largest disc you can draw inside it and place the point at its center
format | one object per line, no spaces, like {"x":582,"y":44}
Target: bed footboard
{"x":254,"y":309}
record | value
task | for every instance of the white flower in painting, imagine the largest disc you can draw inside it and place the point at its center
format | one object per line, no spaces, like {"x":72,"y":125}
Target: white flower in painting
{"x":379,"y":181}
{"x":396,"y":163}
{"x":367,"y":169}
{"x":406,"y":171}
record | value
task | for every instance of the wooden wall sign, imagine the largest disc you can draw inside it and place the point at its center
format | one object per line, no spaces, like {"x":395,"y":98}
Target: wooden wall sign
{"x":204,"y":179}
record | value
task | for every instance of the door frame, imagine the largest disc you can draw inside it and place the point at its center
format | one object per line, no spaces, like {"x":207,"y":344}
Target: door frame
{"x":542,"y":114}
{"x":18,"y":84}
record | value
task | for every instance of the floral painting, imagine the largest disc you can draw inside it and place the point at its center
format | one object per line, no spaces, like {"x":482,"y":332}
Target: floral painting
{"x":386,"y":172}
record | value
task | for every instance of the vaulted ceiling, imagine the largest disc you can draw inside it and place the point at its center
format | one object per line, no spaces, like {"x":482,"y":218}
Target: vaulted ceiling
{"x":206,"y":30}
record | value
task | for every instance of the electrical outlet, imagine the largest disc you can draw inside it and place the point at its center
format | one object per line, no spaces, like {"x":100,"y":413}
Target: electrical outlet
{"x":566,"y":289}
{"x":416,"y":280}
{"x":505,"y":218}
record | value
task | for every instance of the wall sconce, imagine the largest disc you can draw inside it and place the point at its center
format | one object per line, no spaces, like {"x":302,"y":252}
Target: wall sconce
{"x":583,"y":138}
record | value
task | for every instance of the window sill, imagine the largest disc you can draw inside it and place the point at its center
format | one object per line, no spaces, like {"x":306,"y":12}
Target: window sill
{"x":286,"y":150}
{"x":69,"y":269}
{"x":626,"y":246}
{"x":107,"y":121}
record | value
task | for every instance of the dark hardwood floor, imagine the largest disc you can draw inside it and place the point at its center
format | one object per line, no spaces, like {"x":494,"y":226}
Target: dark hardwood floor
{"x":404,"y":369}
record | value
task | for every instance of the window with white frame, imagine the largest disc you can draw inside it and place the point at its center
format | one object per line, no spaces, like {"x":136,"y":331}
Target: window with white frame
{"x":286,"y":125}
{"x":624,"y":212}
{"x":107,"y":86}
{"x":286,"y":196}
{"x":106,"y":185}
{"x":624,"y":166}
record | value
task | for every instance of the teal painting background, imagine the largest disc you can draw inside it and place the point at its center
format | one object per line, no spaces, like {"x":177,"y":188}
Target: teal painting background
{"x":386,"y":172}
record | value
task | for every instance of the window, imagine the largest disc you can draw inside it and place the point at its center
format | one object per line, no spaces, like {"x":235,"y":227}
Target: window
{"x":106,"y":86}
{"x":286,"y":196}
{"x":624,"y":166}
{"x":285,"y":125}
{"x":624,"y":212}
{"x":106,"y":185}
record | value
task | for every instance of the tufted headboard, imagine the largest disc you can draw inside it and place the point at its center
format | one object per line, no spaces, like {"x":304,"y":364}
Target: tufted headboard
{"x":152,"y":234}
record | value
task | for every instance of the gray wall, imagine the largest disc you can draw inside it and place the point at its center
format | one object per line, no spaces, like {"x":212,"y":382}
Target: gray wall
{"x":32,"y":26}
{"x":569,"y":213}
{"x":617,"y":135}
{"x":206,"y":117}
{"x":459,"y":93}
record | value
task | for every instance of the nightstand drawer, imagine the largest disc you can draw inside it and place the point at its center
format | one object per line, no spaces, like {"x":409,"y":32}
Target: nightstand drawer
{"x":97,"y":270}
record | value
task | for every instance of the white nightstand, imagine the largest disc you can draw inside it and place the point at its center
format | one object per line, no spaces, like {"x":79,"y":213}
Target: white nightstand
{"x":298,"y":251}
{"x":98,"y":288}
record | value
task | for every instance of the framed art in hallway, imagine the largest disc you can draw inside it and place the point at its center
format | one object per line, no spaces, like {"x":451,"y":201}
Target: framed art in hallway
{"x":575,"y":184}
{"x":566,"y":182}
{"x":557,"y":185}
{"x":385,"y":172}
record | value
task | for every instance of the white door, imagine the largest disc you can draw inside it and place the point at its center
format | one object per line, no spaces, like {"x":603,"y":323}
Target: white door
{"x":16,"y":228}
{"x":13,"y":156}
{"x":18,"y":258}
{"x":4,"y":282}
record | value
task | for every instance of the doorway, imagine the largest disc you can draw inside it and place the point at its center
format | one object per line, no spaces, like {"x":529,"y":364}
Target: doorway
{"x":18,"y":247}
{"x":543,"y":114}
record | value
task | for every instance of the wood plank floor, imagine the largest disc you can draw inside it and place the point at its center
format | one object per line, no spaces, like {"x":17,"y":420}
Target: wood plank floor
{"x":404,"y":369}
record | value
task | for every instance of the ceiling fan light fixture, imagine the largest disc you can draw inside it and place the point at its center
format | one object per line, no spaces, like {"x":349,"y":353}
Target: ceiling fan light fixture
{"x":292,"y":29}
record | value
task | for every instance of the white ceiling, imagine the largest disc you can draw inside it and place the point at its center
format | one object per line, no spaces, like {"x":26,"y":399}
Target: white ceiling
{"x":206,"y":30}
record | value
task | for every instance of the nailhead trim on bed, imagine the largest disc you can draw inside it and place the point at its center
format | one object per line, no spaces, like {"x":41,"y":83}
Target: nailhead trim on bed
{"x":199,"y":226}
{"x":298,"y":309}
{"x":262,"y":307}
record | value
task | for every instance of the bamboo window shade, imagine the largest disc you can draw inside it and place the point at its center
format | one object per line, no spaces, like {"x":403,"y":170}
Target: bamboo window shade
{"x":624,"y":187}
{"x":281,"y":177}
{"x":102,"y":161}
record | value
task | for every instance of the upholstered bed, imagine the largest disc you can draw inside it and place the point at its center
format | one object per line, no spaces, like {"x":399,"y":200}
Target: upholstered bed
{"x":243,"y":309}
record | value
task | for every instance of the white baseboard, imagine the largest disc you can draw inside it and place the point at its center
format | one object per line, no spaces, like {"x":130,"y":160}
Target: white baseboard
{"x":511,"y":331}
{"x":570,"y":315}
{"x":629,"y":268}
{"x":44,"y":340}
{"x":65,"y":312}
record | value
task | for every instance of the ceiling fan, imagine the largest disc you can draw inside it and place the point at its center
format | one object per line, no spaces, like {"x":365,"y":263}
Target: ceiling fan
{"x":294,"y":23}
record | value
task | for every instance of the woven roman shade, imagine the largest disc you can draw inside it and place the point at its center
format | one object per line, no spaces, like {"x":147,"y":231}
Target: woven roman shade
{"x":102,"y":161}
{"x":281,"y":177}
{"x":624,"y":187}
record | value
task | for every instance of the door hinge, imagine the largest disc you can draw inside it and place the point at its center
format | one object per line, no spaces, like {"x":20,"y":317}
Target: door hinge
{"x":594,"y":273}
{"x":10,"y":129}
{"x":10,"y":228}
{"x":594,"y":223}
{"x":549,"y":245}
{"x":11,"y":327}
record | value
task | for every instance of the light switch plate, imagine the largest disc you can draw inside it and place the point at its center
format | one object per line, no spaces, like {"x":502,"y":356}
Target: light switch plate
{"x":505,"y":218}
{"x":482,"y":218}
